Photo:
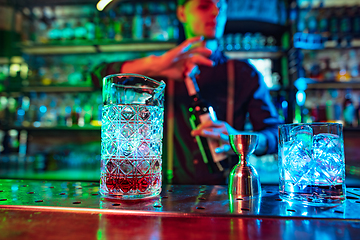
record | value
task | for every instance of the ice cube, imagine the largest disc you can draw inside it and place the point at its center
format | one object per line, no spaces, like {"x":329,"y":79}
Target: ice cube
{"x":297,"y":162}
{"x":303,"y":136}
{"x":328,"y":153}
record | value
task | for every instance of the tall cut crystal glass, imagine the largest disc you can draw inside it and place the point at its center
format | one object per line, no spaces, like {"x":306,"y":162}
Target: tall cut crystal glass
{"x":131,"y":136}
{"x":312,"y":163}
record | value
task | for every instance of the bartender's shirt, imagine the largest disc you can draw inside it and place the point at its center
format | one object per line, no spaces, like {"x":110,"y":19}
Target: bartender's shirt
{"x":252,"y":97}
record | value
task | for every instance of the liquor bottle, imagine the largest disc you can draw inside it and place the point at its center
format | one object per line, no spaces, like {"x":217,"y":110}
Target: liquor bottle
{"x":327,"y":73}
{"x":301,"y":25}
{"x":353,"y":64}
{"x":345,"y":26}
{"x":147,"y":20}
{"x":349,"y":110}
{"x":118,"y":26}
{"x":315,"y":71}
{"x":323,"y":23}
{"x":54,"y":34}
{"x":312,"y":24}
{"x":80,"y":31}
{"x":343,"y":75}
{"x":110,"y":29}
{"x":334,"y":25}
{"x":98,"y":27}
{"x":356,"y":22}
{"x":90,"y":30}
{"x":137,"y":24}
{"x":358,"y":113}
{"x":68,"y":32}
{"x":201,"y":111}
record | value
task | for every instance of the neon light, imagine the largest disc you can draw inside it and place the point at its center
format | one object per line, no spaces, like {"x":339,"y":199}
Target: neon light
{"x":198,"y":140}
{"x":102,"y":4}
{"x":300,"y":98}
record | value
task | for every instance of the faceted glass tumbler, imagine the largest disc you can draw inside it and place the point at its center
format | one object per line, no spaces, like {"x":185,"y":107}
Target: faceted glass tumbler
{"x":312,"y":163}
{"x":131,"y":136}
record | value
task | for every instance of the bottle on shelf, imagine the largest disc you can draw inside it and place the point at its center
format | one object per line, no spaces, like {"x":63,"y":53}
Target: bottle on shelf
{"x":315,"y":70}
{"x":118,"y":26}
{"x":338,"y":108}
{"x":334,"y":19}
{"x":301,"y":24}
{"x":90,"y":30}
{"x":147,"y":21}
{"x":356,"y":22}
{"x":345,"y":27}
{"x":349,"y":110}
{"x":323,"y":23}
{"x":80,"y":31}
{"x":68,"y":32}
{"x":343,"y":75}
{"x":311,"y":20}
{"x":110,"y":27}
{"x":353,"y":64}
{"x":137,"y":25}
{"x":327,"y":73}
{"x":54,"y":34}
{"x":358,"y":112}
{"x":201,"y":111}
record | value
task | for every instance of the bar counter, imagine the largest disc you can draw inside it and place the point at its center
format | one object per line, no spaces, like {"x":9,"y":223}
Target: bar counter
{"x":75,"y":210}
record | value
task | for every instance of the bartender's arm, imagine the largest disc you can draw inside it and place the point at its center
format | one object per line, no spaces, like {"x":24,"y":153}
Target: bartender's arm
{"x":263,"y":117}
{"x":173,"y":64}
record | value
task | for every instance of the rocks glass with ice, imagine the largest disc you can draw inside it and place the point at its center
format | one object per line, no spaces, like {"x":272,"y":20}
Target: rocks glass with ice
{"x":131,"y":136}
{"x":312,"y":163}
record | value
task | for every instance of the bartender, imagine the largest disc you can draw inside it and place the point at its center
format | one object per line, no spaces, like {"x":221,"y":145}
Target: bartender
{"x":204,"y":22}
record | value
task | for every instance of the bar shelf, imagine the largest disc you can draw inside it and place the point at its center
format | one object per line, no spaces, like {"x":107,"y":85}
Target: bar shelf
{"x":329,"y":84}
{"x":96,"y":47}
{"x":256,"y":53}
{"x":57,"y":88}
{"x":55,"y":128}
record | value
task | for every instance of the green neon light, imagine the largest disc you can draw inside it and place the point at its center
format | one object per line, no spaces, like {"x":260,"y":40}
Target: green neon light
{"x":198,"y":140}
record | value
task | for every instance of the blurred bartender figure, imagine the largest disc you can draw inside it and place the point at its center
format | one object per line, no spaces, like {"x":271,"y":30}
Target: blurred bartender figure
{"x":204,"y":22}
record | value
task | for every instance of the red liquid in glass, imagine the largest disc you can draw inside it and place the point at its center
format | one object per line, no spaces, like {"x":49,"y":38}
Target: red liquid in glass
{"x":116,"y":183}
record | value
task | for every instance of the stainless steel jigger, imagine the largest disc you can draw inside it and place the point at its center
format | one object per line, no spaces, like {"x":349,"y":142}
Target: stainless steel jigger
{"x":244,"y":180}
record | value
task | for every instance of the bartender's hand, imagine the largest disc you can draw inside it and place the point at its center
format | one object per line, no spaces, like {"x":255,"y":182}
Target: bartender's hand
{"x":221,"y":130}
{"x":218,"y":130}
{"x":175,"y":63}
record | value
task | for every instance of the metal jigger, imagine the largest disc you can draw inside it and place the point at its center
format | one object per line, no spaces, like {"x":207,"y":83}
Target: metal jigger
{"x":244,"y":180}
